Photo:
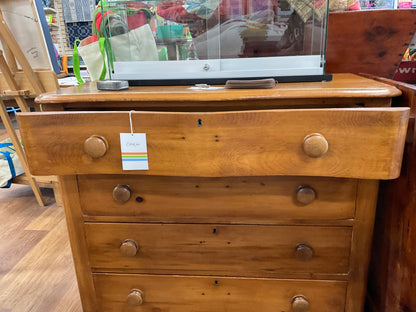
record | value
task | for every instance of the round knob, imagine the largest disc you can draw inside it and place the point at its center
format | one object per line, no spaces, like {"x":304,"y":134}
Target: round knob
{"x":315,"y":145}
{"x":135,"y":297}
{"x":305,"y":194}
{"x":300,"y":304}
{"x":122,"y":193}
{"x":129,"y":248}
{"x":303,"y":252}
{"x":96,"y":146}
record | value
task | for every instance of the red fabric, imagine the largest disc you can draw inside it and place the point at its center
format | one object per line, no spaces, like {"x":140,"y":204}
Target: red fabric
{"x":171,"y":10}
{"x":133,"y":21}
{"x":88,"y":40}
{"x":355,"y":7}
{"x":319,"y":3}
{"x":138,"y":19}
{"x":99,"y":19}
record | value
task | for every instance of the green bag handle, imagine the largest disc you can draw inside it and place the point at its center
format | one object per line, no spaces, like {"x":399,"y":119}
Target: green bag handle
{"x":75,"y":60}
{"x":101,"y":43}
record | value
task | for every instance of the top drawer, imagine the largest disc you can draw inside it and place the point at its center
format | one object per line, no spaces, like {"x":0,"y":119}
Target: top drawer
{"x":355,"y":143}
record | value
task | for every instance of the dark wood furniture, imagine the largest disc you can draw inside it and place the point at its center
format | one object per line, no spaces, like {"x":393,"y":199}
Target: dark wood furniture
{"x":373,"y":42}
{"x":392,"y":275}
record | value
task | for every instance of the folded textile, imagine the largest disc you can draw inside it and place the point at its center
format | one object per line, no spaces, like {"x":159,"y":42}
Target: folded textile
{"x":78,"y":10}
{"x":307,"y":8}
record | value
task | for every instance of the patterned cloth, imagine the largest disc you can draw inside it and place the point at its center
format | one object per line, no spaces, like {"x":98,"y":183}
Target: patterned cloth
{"x":78,"y":10}
{"x":306,"y":8}
{"x":202,"y":8}
{"x":76,"y":31}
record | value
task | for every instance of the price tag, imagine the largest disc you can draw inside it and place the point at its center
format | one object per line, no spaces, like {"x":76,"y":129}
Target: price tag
{"x":134,"y":151}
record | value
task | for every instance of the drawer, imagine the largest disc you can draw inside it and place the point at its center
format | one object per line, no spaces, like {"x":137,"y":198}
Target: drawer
{"x":219,"y":200}
{"x":160,"y":293}
{"x":206,"y":249}
{"x":346,"y":142}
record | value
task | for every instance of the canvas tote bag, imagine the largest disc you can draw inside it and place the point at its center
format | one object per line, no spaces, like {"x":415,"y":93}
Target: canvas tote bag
{"x":94,"y":56}
{"x":135,"y":45}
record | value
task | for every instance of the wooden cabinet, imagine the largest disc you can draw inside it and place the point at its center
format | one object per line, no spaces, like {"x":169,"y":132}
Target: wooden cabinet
{"x":392,"y":272}
{"x":255,"y":200}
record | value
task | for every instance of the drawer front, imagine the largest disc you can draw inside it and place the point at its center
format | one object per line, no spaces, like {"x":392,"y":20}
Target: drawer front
{"x":149,"y":293}
{"x":353,"y":143}
{"x":235,"y":250}
{"x":219,"y":200}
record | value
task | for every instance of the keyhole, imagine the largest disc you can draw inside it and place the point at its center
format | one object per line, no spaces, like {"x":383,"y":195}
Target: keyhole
{"x":139,"y":199}
{"x":214,"y":231}
{"x":199,"y":122}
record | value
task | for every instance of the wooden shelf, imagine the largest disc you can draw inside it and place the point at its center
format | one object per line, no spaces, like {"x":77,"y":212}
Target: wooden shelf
{"x":43,"y":181}
{"x":49,"y":11}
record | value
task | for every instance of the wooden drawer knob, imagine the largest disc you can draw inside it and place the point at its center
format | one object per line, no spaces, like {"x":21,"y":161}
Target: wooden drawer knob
{"x":122,"y":193}
{"x":303,"y":252}
{"x":96,"y":146}
{"x":135,"y":297}
{"x":129,"y":248}
{"x":300,"y":304}
{"x":305,"y":194}
{"x":315,"y":145}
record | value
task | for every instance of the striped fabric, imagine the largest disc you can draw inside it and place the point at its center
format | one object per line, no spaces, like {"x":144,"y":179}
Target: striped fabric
{"x":78,"y":10}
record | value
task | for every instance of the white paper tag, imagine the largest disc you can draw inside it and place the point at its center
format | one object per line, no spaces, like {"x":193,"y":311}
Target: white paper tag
{"x":134,"y":151}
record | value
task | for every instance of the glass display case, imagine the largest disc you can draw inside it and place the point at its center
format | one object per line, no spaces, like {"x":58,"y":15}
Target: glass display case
{"x":211,"y":41}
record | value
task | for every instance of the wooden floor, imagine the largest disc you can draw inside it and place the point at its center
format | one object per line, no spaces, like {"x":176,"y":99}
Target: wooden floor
{"x":36,"y":267}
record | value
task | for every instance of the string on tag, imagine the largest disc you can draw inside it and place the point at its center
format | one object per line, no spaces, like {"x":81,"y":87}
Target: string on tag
{"x":131,"y":123}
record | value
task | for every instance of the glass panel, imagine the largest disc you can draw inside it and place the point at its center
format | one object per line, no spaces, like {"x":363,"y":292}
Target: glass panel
{"x":215,"y":39}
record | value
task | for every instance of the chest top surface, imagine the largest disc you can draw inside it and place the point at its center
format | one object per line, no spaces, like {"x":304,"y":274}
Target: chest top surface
{"x":343,"y":86}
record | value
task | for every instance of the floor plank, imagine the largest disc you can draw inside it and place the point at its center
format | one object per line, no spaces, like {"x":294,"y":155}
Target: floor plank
{"x":47,"y":220}
{"x":36,"y":266}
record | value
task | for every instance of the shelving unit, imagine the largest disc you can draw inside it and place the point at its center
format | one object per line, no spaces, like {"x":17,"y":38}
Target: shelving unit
{"x":49,"y":10}
{"x":57,"y":29}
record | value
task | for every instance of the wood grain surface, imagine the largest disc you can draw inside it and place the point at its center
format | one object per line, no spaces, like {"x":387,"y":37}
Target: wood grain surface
{"x":250,"y":200}
{"x":342,"y":88}
{"x":228,"y":250}
{"x":392,"y":271}
{"x":361,"y":244}
{"x":207,"y":294}
{"x":211,"y":164}
{"x":363,"y":143}
{"x":36,"y":267}
{"x":76,"y":231}
{"x":351,"y":35}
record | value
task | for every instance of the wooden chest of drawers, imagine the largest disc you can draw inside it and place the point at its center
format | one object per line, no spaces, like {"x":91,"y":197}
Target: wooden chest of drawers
{"x":255,"y":200}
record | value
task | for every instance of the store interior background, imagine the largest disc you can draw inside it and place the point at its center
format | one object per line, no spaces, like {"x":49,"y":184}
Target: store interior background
{"x":40,"y":274}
